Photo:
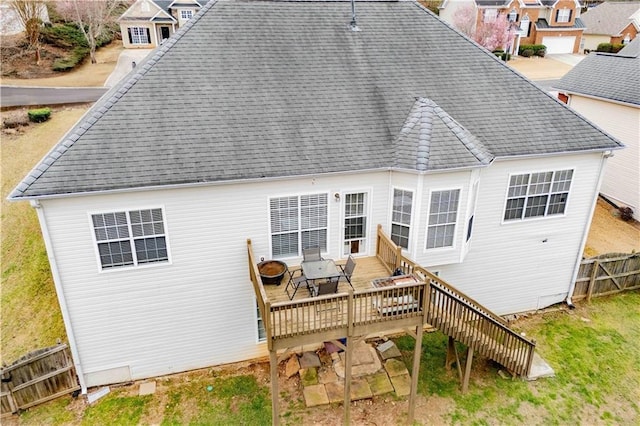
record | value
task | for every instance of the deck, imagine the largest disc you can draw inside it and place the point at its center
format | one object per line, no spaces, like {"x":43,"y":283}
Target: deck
{"x":367,"y":269}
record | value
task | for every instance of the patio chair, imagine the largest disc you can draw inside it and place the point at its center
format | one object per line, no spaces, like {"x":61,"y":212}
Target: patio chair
{"x":295,"y":282}
{"x":320,"y":287}
{"x":311,"y":254}
{"x":347,"y":270}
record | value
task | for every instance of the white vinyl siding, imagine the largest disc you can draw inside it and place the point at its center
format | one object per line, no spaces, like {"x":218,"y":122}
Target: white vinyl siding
{"x":537,"y":194}
{"x":297,"y":223}
{"x":130,"y":238}
{"x":443,"y":215}
{"x":401,"y":217}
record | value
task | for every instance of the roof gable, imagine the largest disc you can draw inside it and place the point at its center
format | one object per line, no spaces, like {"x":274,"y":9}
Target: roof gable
{"x":610,"y":18}
{"x":270,"y":89}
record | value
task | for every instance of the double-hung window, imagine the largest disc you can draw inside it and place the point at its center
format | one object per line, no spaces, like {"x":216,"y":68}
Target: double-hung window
{"x":563,"y":15}
{"x":537,"y":194}
{"x":186,"y":14}
{"x":130,"y":238}
{"x":443,"y":215}
{"x":490,"y":15}
{"x":401,"y":217}
{"x":298,"y":222}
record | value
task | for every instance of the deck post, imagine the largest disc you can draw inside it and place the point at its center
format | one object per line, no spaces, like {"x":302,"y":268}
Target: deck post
{"x":273,"y":364}
{"x":415,"y":371}
{"x":467,"y":370}
{"x":347,"y":380}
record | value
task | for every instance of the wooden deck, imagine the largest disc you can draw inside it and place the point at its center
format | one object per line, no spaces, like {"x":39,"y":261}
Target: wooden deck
{"x":367,"y":269}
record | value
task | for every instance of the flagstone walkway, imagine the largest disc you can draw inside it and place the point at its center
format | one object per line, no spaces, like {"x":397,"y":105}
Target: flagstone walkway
{"x":376,"y":370}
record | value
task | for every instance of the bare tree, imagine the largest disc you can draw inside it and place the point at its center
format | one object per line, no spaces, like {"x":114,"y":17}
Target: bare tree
{"x":29,"y":13}
{"x":92,"y":17}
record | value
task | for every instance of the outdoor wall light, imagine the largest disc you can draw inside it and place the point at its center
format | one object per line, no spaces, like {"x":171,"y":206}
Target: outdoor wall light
{"x":336,"y":196}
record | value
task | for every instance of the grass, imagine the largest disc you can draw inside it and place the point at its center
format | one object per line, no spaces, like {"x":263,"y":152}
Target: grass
{"x":594,"y":350}
{"x":28,"y":292}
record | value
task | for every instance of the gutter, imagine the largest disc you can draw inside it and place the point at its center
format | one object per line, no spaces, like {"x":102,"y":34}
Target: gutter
{"x":60,"y":293}
{"x":13,"y":197}
{"x":583,"y":243}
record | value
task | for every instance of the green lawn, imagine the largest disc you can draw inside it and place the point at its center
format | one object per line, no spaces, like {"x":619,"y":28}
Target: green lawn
{"x":595,"y":351}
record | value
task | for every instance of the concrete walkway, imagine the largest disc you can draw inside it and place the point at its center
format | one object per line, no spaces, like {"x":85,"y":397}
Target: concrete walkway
{"x":125,"y":64}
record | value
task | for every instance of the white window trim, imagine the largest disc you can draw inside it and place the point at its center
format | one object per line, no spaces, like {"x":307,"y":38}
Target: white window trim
{"x":369,"y":231}
{"x":298,"y":194}
{"x":535,"y":218}
{"x":144,"y":35}
{"x":186,"y":11}
{"x":411,"y":217}
{"x":456,"y":231}
{"x":561,"y":13}
{"x":125,"y":209}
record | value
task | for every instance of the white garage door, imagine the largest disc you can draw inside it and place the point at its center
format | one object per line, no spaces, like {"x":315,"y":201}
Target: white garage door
{"x":559,"y":44}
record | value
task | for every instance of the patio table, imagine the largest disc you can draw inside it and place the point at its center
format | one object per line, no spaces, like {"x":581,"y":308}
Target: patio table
{"x":320,"y":269}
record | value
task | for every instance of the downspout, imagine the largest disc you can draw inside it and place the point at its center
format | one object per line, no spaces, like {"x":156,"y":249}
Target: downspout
{"x":59,"y":292}
{"x":572,"y":285}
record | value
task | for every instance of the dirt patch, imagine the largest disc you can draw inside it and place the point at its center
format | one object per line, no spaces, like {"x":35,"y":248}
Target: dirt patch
{"x":610,"y":234}
{"x":19,"y":67}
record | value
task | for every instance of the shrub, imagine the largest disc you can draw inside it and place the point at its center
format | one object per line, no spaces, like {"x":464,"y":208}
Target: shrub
{"x":541,"y":53}
{"x":65,"y":36}
{"x":536,"y":48}
{"x":615,"y":48}
{"x":626,"y":213}
{"x":68,"y":63}
{"x":39,"y":115}
{"x":604,"y":47}
{"x":527,"y":53}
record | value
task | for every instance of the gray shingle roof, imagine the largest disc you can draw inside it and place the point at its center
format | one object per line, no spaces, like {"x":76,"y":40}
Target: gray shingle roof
{"x":607,"y":76}
{"x":542,"y":24}
{"x":610,"y":17}
{"x":252,"y":89}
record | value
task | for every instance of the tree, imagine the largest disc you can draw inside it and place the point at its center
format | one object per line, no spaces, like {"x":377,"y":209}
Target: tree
{"x":92,"y":17}
{"x":29,"y":13}
{"x":497,"y":33}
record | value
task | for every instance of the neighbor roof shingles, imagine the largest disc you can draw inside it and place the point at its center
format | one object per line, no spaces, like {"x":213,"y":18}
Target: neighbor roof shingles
{"x":253,"y":89}
{"x":610,"y":17}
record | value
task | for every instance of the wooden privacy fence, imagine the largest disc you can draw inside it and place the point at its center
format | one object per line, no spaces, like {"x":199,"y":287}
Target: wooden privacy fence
{"x":37,"y":377}
{"x":607,"y":274}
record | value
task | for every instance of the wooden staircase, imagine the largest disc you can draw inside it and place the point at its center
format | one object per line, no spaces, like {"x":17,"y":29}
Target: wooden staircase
{"x":462,"y":318}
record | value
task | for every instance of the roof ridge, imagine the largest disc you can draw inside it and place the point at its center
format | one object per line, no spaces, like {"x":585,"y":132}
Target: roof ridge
{"x":101,"y":107}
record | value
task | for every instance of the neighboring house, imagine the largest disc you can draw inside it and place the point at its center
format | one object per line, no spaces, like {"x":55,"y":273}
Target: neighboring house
{"x":611,"y":22}
{"x":10,"y":23}
{"x":554,"y":23}
{"x":291,"y":129}
{"x":148,"y":23}
{"x":605,"y":88}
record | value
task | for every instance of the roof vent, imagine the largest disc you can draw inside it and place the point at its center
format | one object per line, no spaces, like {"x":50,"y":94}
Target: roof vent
{"x":353,"y":25}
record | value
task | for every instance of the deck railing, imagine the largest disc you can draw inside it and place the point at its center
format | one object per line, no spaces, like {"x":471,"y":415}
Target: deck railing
{"x":461,"y":317}
{"x":432,"y":301}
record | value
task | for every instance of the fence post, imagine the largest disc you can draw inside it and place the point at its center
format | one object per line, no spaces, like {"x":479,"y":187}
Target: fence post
{"x":592,"y":280}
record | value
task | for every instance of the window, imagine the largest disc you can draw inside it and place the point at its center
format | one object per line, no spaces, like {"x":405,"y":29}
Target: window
{"x":512,"y":16}
{"x":130,"y":238}
{"x":355,"y":223}
{"x":401,"y":217}
{"x":490,"y":15}
{"x":443,"y":214}
{"x":262,"y":333}
{"x":186,"y":14}
{"x":563,"y":15}
{"x":524,"y":26}
{"x":297,"y":223}
{"x":139,"y":35}
{"x":537,"y":194}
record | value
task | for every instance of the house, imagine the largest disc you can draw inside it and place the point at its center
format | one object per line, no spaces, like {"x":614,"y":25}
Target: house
{"x":146,"y":24}
{"x":303,"y":125}
{"x":554,"y":23}
{"x":615,"y":22}
{"x":605,"y":89}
